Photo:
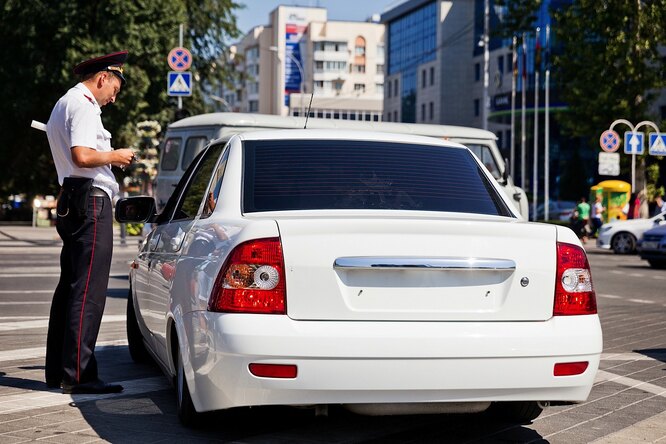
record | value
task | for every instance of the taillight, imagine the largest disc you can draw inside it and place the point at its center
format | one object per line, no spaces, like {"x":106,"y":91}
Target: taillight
{"x":574,"y":292}
{"x":570,"y":368}
{"x":251,"y":280}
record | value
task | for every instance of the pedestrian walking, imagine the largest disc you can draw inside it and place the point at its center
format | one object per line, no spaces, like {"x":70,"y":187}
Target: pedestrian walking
{"x":83,"y":157}
{"x":583,"y":219}
{"x":597,"y":215}
{"x":660,"y":205}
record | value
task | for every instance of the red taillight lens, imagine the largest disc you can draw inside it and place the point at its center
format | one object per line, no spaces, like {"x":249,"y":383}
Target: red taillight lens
{"x":274,"y":370}
{"x":574,"y":292}
{"x":570,"y":368}
{"x":251,"y":280}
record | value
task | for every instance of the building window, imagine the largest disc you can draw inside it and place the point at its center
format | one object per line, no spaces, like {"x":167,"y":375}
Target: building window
{"x":359,"y":49}
{"x":500,"y":64}
{"x":395,"y":116}
{"x":388,"y":92}
{"x":379,"y":88}
{"x":423,"y":112}
{"x":509,"y":62}
{"x":477,"y":72}
{"x":432,"y":75}
{"x":358,"y":69}
{"x":359,"y":87}
{"x":477,"y":108}
{"x":380,"y":69}
{"x":432,"y":110}
{"x":319,"y":65}
{"x":396,"y":91}
{"x":254,"y":106}
{"x":388,"y":116}
{"x":423,"y":78}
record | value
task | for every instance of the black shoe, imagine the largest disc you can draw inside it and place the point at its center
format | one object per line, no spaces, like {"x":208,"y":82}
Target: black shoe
{"x":98,"y":387}
{"x":53,"y":384}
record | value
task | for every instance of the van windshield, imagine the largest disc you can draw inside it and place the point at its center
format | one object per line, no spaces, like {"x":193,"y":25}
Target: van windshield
{"x":333,"y":174}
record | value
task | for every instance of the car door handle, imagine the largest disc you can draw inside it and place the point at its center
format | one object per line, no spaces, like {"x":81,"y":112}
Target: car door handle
{"x":424,"y":263}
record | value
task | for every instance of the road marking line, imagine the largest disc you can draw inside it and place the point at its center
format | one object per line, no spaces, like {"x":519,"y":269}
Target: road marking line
{"x":609,"y":296}
{"x":631,"y":357}
{"x":641,"y":301}
{"x":617,"y":272}
{"x":43,"y":399}
{"x":11,"y":326}
{"x":29,"y":275}
{"x":649,"y":430}
{"x":21,"y":318}
{"x":40,"y":352}
{"x":26,"y":303}
{"x":638,"y":275}
{"x":25,"y":291}
{"x":604,"y":376}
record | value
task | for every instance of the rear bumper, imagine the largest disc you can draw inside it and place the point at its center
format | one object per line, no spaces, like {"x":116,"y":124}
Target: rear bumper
{"x":391,"y":362}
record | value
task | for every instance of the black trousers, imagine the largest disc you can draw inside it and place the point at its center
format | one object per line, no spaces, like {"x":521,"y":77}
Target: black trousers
{"x":79,"y":298}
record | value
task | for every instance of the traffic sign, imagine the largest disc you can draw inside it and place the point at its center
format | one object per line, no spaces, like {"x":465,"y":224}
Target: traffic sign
{"x":633,"y":142}
{"x":609,"y":141}
{"x":609,"y":164}
{"x":179,"y":83}
{"x":180,"y":59}
{"x":657,"y":144}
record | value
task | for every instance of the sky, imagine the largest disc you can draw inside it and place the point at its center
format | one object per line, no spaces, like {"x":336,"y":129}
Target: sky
{"x":256,"y":11}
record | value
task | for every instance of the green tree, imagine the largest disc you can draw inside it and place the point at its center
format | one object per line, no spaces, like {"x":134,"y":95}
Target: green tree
{"x":610,"y":66}
{"x":44,"y":39}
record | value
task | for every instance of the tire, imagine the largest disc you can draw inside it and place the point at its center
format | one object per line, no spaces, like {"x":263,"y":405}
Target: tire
{"x":187,"y":414}
{"x":657,"y":263}
{"x":521,"y":412}
{"x":623,"y":243}
{"x":137,"y":347}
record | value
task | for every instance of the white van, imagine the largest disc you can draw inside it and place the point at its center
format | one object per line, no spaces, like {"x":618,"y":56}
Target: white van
{"x":185,"y":138}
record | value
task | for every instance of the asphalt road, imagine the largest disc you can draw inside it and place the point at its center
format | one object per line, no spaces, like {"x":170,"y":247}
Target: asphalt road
{"x":627,"y":403}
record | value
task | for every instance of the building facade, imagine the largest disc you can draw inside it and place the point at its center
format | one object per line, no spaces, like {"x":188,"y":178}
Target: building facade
{"x":300,"y":56}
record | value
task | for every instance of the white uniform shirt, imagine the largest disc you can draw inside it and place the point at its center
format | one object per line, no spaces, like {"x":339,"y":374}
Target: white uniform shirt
{"x":75,"y":121}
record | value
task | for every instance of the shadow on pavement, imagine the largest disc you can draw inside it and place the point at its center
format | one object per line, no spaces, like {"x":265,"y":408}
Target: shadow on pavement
{"x":654,"y":353}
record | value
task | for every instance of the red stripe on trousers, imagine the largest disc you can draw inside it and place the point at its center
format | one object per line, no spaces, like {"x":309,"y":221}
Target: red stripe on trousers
{"x":85,"y":294}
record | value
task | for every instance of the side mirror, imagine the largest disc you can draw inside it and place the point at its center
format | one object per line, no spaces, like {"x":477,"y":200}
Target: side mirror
{"x":135,"y":209}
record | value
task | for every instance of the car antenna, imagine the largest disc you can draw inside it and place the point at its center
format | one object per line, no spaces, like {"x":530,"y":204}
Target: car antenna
{"x":308,"y":114}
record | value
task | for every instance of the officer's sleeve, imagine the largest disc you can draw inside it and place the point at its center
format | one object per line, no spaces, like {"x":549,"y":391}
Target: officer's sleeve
{"x":83,"y":127}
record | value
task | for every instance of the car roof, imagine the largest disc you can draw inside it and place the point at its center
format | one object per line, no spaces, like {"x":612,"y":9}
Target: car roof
{"x":314,"y":134}
{"x":268,"y":121}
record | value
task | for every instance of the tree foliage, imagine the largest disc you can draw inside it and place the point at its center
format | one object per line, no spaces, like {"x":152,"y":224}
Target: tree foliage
{"x":609,"y":66}
{"x":44,"y":39}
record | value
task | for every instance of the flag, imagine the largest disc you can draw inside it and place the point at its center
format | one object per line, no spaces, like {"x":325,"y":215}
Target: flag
{"x":537,"y":54}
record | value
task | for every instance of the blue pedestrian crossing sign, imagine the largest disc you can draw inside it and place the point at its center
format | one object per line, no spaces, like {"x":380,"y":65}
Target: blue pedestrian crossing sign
{"x":179,"y":83}
{"x":633,"y":142}
{"x":657,"y":144}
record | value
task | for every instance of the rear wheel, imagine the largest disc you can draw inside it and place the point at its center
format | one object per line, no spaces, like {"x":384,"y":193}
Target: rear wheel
{"x":187,"y":414}
{"x":521,"y":412}
{"x":623,"y":243}
{"x":137,"y":347}
{"x":657,"y":263}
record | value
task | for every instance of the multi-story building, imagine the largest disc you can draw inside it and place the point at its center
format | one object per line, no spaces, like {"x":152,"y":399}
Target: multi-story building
{"x":300,"y":55}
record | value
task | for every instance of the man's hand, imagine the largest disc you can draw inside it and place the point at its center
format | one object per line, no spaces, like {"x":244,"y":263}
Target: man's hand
{"x":123,"y":157}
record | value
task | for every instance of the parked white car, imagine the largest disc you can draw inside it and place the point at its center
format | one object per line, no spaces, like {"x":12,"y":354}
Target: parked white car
{"x":622,"y":235}
{"x":386,"y":273}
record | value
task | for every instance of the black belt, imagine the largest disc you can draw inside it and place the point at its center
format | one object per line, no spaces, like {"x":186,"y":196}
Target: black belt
{"x":98,"y":192}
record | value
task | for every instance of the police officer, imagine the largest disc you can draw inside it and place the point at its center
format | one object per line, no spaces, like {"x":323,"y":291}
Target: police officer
{"x":83,"y":157}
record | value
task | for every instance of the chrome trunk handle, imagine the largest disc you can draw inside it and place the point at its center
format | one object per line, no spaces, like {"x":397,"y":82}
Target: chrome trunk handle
{"x":424,"y":263}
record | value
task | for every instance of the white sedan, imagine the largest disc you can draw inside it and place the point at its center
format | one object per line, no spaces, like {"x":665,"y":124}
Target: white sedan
{"x":385,"y":273}
{"x":622,"y":235}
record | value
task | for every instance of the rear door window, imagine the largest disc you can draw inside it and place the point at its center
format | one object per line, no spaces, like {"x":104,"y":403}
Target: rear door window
{"x":193,"y":146}
{"x":171,"y":154}
{"x":332,"y":174}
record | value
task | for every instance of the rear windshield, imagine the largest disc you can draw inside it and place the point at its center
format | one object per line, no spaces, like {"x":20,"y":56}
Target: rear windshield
{"x":334,"y":174}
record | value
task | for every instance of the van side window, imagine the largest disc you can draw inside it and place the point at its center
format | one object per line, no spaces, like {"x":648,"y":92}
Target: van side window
{"x":171,"y":154}
{"x":193,"y":147}
{"x":486,"y":157}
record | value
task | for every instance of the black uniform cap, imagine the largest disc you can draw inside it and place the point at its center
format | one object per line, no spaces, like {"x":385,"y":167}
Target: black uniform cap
{"x":111,"y":62}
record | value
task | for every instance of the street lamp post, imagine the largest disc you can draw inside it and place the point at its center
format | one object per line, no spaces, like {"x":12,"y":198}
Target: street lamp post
{"x":36,"y":203}
{"x":277,"y":51}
